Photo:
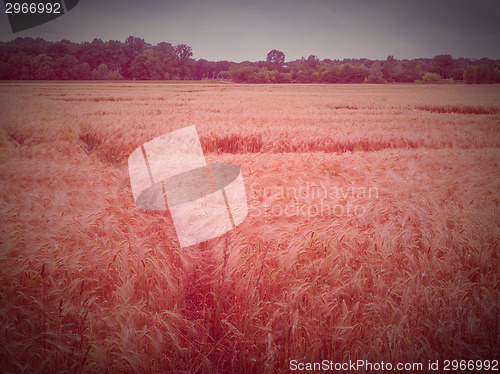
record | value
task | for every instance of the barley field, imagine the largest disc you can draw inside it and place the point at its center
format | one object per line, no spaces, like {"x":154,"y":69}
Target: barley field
{"x":373,"y":230}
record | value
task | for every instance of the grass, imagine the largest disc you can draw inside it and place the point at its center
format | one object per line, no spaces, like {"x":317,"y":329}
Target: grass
{"x":372,"y":231}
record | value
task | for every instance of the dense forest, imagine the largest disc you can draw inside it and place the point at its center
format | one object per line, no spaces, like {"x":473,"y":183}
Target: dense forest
{"x":38,"y":59}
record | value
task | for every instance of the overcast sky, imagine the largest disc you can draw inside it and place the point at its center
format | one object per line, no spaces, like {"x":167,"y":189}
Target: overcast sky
{"x":239,"y":30}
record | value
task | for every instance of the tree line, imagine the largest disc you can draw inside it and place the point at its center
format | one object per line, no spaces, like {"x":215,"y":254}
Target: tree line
{"x":38,"y":59}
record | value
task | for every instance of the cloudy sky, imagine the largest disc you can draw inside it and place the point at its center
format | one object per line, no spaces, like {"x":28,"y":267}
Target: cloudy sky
{"x":239,"y":30}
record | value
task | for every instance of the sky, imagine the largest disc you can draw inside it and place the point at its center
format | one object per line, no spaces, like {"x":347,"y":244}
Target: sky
{"x":246,"y":30}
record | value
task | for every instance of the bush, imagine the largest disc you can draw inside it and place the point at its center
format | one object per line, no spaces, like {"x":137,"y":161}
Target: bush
{"x":243,"y":74}
{"x":223,"y":75}
{"x":482,"y":74}
{"x":431,"y":78}
{"x":377,"y":79}
{"x":469,"y":74}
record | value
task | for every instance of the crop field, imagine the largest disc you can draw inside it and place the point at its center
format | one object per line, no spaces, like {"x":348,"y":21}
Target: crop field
{"x":373,"y":230}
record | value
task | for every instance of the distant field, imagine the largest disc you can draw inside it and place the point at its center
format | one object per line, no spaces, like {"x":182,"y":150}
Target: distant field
{"x":373,"y":230}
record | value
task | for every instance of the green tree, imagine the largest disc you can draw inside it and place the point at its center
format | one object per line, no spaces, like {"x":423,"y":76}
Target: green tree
{"x":204,"y":69}
{"x":153,"y":65}
{"x":67,"y":67}
{"x":185,"y":64}
{"x":312,"y":62}
{"x":275,"y":59}
{"x":115,"y":56}
{"x":82,"y":71}
{"x":305,"y":76}
{"x":389,"y":69}
{"x":4,"y":70}
{"x":331,"y":73}
{"x":43,"y":67}
{"x":442,"y":65}
{"x":101,"y":73}
{"x":165,"y":48}
{"x":183,"y":52}
{"x":18,"y":67}
{"x":353,"y":74}
{"x":135,"y":45}
{"x":484,"y":74}
{"x":243,"y":74}
{"x":376,"y":75}
{"x":92,"y":53}
{"x":262,"y":76}
{"x":138,"y":68}
{"x":412,"y":71}
{"x":457,"y":74}
{"x":469,"y":74}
